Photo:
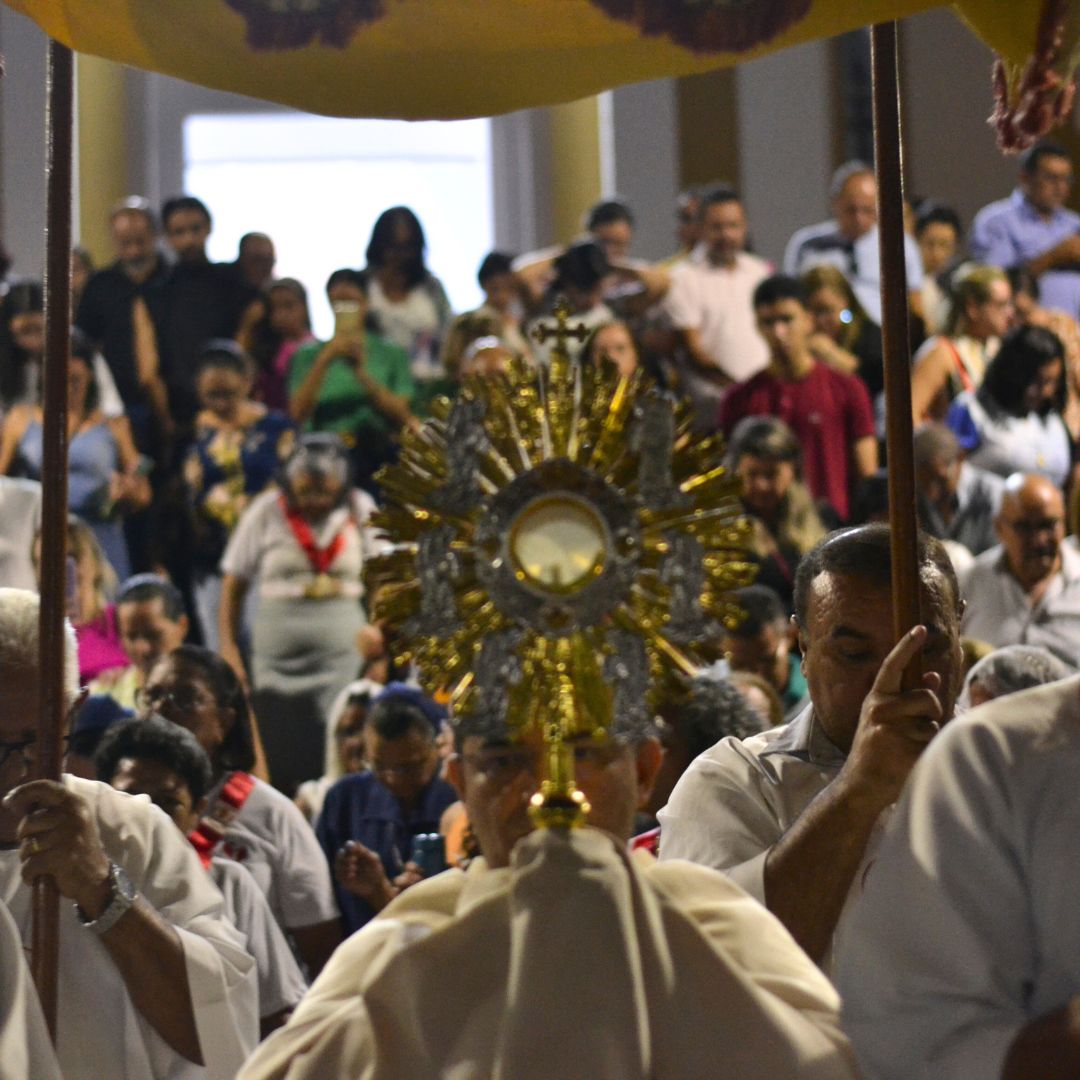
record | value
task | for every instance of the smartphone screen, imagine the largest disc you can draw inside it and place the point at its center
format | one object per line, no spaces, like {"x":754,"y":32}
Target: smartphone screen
{"x":347,"y":320}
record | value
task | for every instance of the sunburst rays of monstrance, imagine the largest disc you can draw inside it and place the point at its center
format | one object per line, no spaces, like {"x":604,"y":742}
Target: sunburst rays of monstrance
{"x":563,"y":547}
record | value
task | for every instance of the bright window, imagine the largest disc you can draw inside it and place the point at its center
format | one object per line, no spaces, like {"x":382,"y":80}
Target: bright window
{"x":316,"y":185}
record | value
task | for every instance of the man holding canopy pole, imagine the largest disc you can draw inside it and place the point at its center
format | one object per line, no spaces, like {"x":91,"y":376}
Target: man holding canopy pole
{"x":153,"y":980}
{"x":562,"y":49}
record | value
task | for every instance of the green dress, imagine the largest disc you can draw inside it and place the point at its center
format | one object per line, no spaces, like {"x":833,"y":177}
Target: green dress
{"x":343,"y":407}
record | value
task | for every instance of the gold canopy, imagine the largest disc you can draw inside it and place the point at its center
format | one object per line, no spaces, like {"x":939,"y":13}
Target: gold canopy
{"x":455,"y":58}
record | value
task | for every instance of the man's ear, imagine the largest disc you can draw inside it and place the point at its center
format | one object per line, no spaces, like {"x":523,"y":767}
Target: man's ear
{"x":455,"y":773}
{"x":650,"y":756}
{"x":184,"y":624}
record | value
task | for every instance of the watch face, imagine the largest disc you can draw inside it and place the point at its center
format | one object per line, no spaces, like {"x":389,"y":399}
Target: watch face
{"x":122,"y":884}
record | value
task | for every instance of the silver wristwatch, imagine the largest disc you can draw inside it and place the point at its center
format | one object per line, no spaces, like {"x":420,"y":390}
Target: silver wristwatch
{"x":122,"y":896}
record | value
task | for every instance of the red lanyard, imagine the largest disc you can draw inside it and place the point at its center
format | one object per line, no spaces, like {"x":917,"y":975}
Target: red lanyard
{"x":206,"y":836}
{"x":321,"y":559}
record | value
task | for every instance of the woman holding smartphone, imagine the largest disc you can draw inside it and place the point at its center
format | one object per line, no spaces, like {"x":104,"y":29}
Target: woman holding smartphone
{"x":357,"y":385}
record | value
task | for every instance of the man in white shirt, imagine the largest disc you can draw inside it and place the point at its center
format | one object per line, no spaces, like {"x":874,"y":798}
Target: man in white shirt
{"x":963,"y":957}
{"x":850,"y":241}
{"x":792,"y":815}
{"x":1026,"y":591}
{"x":558,"y":953}
{"x":153,"y":980}
{"x":710,"y":304}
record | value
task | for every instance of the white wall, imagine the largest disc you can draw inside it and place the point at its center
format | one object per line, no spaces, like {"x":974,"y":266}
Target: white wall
{"x":786,"y":143}
{"x":640,"y":160}
{"x":22,"y":143}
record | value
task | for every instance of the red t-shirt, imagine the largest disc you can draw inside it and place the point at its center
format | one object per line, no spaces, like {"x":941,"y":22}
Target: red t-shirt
{"x":828,"y":412}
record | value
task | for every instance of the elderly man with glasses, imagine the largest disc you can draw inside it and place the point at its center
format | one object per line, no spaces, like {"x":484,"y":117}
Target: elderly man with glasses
{"x":153,"y":980}
{"x":1026,"y":591}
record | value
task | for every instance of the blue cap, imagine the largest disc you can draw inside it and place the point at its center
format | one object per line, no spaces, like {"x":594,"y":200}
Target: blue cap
{"x":434,"y":712}
{"x":99,"y":712}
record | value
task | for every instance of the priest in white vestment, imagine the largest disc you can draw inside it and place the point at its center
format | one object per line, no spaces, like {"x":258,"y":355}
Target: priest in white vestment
{"x":25,"y":1049}
{"x":154,"y":984}
{"x":558,"y":954}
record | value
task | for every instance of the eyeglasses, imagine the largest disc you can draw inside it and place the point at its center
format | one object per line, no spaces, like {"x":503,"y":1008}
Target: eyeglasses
{"x":1033,"y":528}
{"x":24,"y":748}
{"x":406,"y":770}
{"x":502,"y":764}
{"x":185,"y":699}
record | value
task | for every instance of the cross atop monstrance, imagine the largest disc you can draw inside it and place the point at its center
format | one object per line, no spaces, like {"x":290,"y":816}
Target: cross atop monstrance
{"x":562,"y":331}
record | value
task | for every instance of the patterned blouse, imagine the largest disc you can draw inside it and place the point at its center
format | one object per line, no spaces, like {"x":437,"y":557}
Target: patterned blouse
{"x":225,"y":469}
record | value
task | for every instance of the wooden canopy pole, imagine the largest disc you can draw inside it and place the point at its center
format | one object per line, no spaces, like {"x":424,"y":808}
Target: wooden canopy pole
{"x":888,"y":149}
{"x":52,"y":707}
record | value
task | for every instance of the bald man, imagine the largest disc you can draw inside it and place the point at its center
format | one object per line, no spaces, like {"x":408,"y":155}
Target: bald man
{"x":850,"y":240}
{"x":1027,"y":589}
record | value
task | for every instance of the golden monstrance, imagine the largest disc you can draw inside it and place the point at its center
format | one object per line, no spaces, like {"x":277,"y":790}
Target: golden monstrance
{"x":563,"y":545}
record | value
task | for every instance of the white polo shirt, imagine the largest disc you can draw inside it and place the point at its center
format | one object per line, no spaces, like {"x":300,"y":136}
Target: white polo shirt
{"x":717,"y":302}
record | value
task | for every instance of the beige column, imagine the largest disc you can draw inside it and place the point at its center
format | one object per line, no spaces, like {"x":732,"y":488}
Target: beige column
{"x":575,"y":164}
{"x":103,"y":158}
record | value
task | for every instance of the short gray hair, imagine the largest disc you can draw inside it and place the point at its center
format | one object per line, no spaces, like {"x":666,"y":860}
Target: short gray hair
{"x":19,"y":613}
{"x":844,"y":173}
{"x":1011,"y":669}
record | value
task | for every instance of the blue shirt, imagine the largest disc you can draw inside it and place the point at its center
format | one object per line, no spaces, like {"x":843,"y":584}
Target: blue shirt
{"x":360,"y":807}
{"x":1011,"y":231}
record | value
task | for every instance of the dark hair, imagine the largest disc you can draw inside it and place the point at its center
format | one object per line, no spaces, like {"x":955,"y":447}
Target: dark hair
{"x":870,"y":500}
{"x":717,"y":196}
{"x":608,"y":212}
{"x":779,"y":287}
{"x":22,"y":298}
{"x":183,"y":202}
{"x":266,"y":341}
{"x":237,"y":751}
{"x":762,"y":607}
{"x":1022,"y":280}
{"x":144,"y":587}
{"x":495,"y":264}
{"x":345,"y":276}
{"x":935,"y":213}
{"x":248,"y":237}
{"x":382,"y":237}
{"x":393,"y":716}
{"x":153,"y":738}
{"x":863,"y":551}
{"x":713,"y":711}
{"x":765,"y":437}
{"x":933,"y":442}
{"x":1015,"y":367}
{"x":224,"y":354}
{"x":581,"y":266}
{"x":589,"y":355}
{"x":1030,"y":158}
{"x":83,"y":349}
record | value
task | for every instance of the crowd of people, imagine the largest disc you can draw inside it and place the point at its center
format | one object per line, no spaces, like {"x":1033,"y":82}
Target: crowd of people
{"x":224,"y":467}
